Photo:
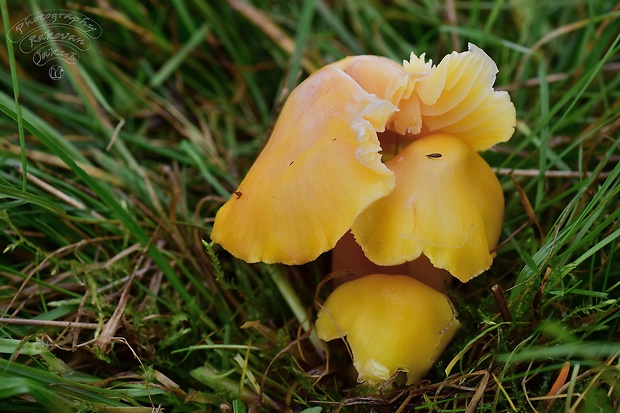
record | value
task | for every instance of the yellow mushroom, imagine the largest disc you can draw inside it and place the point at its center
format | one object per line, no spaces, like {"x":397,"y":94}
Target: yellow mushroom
{"x":334,"y":153}
{"x":389,"y":153}
{"x":391,"y":323}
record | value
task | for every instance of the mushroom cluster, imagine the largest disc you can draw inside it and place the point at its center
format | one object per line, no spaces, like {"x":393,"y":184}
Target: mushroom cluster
{"x":390,"y":154}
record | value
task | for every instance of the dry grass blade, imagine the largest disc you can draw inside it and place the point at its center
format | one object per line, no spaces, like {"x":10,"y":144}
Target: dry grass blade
{"x":479,"y":393}
{"x":49,"y":323}
{"x":279,"y":37}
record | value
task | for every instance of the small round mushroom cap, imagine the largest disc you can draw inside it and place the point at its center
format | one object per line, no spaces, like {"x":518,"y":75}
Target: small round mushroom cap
{"x":391,"y":322}
{"x":447,"y":204}
{"x":319,"y":170}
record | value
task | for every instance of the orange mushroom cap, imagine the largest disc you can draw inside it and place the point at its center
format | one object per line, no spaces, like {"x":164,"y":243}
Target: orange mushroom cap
{"x":319,"y":170}
{"x":391,"y":322}
{"x":447,"y":205}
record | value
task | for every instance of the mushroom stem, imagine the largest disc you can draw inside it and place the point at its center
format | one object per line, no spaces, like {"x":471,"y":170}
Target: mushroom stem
{"x":292,"y":299}
{"x":348,"y":255}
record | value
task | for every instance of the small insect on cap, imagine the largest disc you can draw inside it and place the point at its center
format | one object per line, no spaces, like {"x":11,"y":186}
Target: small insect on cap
{"x":391,"y":322}
{"x":447,"y":205}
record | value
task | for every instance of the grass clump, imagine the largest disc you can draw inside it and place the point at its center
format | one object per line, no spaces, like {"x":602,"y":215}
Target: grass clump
{"x":111,"y":175}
